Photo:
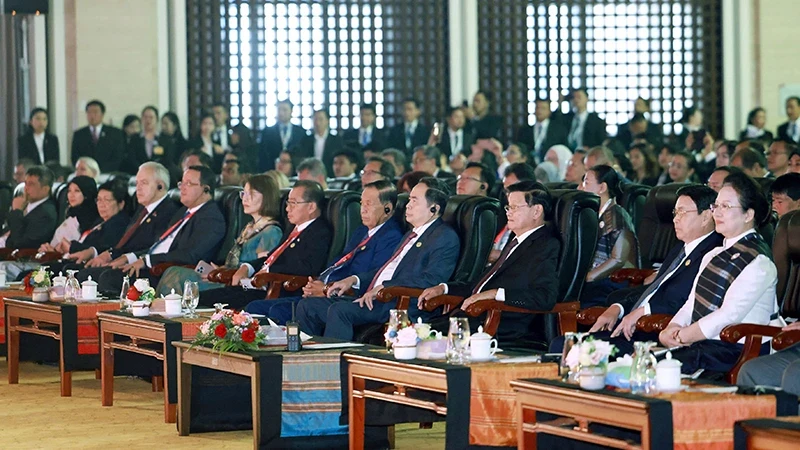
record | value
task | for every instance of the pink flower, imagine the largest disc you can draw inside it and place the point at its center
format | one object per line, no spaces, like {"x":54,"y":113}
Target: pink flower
{"x":240,"y":319}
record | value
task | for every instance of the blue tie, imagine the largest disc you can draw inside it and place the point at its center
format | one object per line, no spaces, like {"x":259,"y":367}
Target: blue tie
{"x":408,"y":136}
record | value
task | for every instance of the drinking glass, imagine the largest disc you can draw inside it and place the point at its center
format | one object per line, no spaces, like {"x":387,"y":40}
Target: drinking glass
{"x":123,"y":294}
{"x":458,"y":341}
{"x":191,"y":296}
{"x":643,"y":368}
{"x":398,"y":318}
{"x":72,"y":290}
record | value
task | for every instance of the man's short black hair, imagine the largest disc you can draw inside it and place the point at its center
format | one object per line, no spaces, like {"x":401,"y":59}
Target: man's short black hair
{"x":486,"y":94}
{"x":452,"y":109}
{"x":207,"y":178}
{"x":351,"y":156}
{"x":702,"y":196}
{"x":795,"y":98}
{"x":487,"y":175}
{"x":44,"y":174}
{"x":581,"y":89}
{"x":638,"y":117}
{"x":788,"y":184}
{"x":386,"y":170}
{"x":523,"y":171}
{"x":430,"y":152}
{"x":205,"y":160}
{"x":436,"y":193}
{"x":387,"y":192}
{"x":286,"y":101}
{"x":413,"y":100}
{"x":750,"y":157}
{"x":535,"y":194}
{"x":97,"y":103}
{"x":369,"y":106}
{"x":690,"y":160}
{"x":324,"y":111}
{"x":312,"y":192}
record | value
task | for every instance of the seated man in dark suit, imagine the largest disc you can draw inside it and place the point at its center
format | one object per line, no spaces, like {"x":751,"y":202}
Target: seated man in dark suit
{"x":585,"y":129}
{"x":303,"y":251}
{"x":32,"y":219}
{"x":37,"y":144}
{"x":525,"y":275}
{"x":665,"y":291}
{"x":485,"y":125}
{"x":427,"y":158}
{"x":149,"y":221}
{"x":410,"y":133}
{"x":321,"y":144}
{"x":279,"y":137}
{"x":790,"y":130}
{"x":367,"y":133}
{"x":426,"y":256}
{"x":368,"y":249}
{"x":195,"y":233}
{"x":545,"y":133}
{"x":104,"y":143}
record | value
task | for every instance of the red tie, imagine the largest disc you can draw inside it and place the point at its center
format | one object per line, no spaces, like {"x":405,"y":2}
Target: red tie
{"x":397,"y":252}
{"x":132,"y":229}
{"x":497,"y":264}
{"x":348,"y":256}
{"x":274,"y":255}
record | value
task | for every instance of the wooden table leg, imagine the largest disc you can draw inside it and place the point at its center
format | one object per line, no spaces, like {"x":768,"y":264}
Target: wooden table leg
{"x":356,"y":414}
{"x":255,"y":390}
{"x":169,"y":409}
{"x":106,"y":369}
{"x":12,"y":350}
{"x":525,"y":440}
{"x":66,"y":376}
{"x":184,"y":394}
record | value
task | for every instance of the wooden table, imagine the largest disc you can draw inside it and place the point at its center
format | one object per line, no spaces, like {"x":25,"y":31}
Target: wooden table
{"x":56,"y":320}
{"x":10,"y":293}
{"x":767,"y":434}
{"x":137,"y":331}
{"x":470,"y":405}
{"x":550,"y":409}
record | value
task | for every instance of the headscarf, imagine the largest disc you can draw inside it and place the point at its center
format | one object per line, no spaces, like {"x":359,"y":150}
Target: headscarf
{"x":86,"y":212}
{"x":564,"y":156}
{"x":546,"y":172}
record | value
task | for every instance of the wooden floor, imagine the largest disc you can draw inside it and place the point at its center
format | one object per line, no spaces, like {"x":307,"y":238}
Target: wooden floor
{"x":33,"y":415}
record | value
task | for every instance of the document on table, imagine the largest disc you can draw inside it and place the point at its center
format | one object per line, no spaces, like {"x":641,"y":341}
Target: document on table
{"x":522,"y":359}
{"x":330,"y":345}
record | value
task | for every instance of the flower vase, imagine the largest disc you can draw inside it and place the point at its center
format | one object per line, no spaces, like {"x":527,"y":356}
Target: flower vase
{"x":593,"y":378}
{"x":404,"y":352}
{"x":40,"y":294}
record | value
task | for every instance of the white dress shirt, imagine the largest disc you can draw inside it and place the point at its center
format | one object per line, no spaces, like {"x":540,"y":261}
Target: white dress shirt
{"x":388,"y":271}
{"x":96,"y":130}
{"x":796,"y":136}
{"x":365,"y":135}
{"x":300,"y":228}
{"x":319,"y":144}
{"x":38,"y":139}
{"x":456,"y":140}
{"x":164,"y":246}
{"x":131,"y":257}
{"x":750,"y":298}
{"x":501,"y":292}
{"x":687,"y":250}
{"x":222,"y":132}
{"x":32,"y":206}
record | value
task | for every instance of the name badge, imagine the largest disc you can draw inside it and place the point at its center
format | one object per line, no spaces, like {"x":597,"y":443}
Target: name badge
{"x":158,"y":150}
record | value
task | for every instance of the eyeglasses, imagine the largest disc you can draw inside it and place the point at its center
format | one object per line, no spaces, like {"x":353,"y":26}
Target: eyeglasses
{"x":462,"y":177}
{"x":723,"y":208}
{"x":364,"y":172}
{"x":769,"y":153}
{"x":681,"y":212}
{"x":293,"y":204}
{"x":187,"y":184}
{"x":512,"y":208}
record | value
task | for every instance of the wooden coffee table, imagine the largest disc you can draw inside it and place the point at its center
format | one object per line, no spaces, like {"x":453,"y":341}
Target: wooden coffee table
{"x":56,"y":320}
{"x":137,"y":332}
{"x":768,"y":434}
{"x":552,"y":410}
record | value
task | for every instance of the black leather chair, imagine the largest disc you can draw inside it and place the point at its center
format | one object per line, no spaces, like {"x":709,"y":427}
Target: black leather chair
{"x":343,"y":212}
{"x":474,"y":219}
{"x":60,"y":196}
{"x":656,"y":231}
{"x":230,"y":203}
{"x":633,"y":199}
{"x":6,"y":194}
{"x":561,"y":185}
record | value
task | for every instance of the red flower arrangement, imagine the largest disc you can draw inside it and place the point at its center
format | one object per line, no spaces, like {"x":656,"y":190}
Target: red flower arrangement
{"x":228,"y":331}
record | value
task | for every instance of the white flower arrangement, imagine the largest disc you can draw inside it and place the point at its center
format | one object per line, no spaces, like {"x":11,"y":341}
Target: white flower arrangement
{"x":590,"y":352}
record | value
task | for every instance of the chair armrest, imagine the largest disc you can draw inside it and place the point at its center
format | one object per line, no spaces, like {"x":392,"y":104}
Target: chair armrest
{"x":160,"y":268}
{"x":589,"y":316}
{"x":653,"y":323}
{"x":221,"y":275}
{"x":276,"y":281}
{"x":404,"y":296}
{"x":752,"y":335}
{"x":46,"y":257}
{"x":785,"y":339}
{"x":634,"y":277}
{"x":22,"y":254}
{"x":493,"y":309}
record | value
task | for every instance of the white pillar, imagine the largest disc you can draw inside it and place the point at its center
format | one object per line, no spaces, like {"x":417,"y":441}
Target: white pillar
{"x":179,"y":83}
{"x":469,"y":48}
{"x":456,"y":51}
{"x":57,"y":86}
{"x":739,"y":65}
{"x":39,"y":61}
{"x":162,"y":23}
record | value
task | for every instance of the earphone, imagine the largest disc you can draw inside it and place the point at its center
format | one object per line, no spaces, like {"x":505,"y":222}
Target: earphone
{"x":387,"y":210}
{"x":206,"y":190}
{"x":433,"y":209}
{"x":160,"y":187}
{"x":483,"y":187}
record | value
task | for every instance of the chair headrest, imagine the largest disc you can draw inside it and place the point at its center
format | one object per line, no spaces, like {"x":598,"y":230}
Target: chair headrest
{"x":665,"y":197}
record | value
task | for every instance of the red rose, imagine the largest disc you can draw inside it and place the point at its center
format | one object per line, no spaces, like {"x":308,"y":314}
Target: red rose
{"x":133,"y":294}
{"x":248,"y":335}
{"x":220,"y":331}
{"x":253,"y":325}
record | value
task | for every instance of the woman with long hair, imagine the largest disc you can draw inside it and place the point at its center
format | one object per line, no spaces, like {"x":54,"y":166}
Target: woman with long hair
{"x":645,"y":165}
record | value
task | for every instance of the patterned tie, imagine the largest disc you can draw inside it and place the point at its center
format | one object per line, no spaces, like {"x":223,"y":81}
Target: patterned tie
{"x":657,"y":283}
{"x":793,"y":131}
{"x":497,"y":264}
{"x":365,"y":137}
{"x":95,"y":137}
{"x":410,"y":236}
{"x":168,"y":233}
{"x":408,"y":136}
{"x":325,"y":274}
{"x":573,"y":133}
{"x":274,"y":255}
{"x":284,"y":139}
{"x":132,"y":229}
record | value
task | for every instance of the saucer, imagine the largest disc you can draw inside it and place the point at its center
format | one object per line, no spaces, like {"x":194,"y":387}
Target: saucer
{"x":490,"y":358}
{"x":168,"y":316}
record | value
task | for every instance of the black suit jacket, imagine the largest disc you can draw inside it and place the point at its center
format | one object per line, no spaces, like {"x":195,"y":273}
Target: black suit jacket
{"x":594,"y":130}
{"x":783,"y":133}
{"x":153,"y":226}
{"x":444,"y":142}
{"x":136,"y":154}
{"x":109,"y":152}
{"x":270,"y":144}
{"x":529,"y":277}
{"x":105,"y":235}
{"x":198,"y":240}
{"x":397,"y":137}
{"x":556,"y":134}
{"x":351,"y":137}
{"x":673,"y":292}
{"x":654,"y":135}
{"x":26,"y":148}
{"x":307,"y":255}
{"x":34,"y":229}
{"x":486,"y":127}
{"x":305,"y":149}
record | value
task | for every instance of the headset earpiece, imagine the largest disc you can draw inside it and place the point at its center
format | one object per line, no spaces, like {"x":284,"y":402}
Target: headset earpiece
{"x":387,"y":210}
{"x":160,"y":187}
{"x":483,"y":187}
{"x":206,"y":190}
{"x":433,"y":209}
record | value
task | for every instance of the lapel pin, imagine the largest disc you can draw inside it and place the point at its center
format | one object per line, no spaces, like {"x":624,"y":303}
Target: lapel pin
{"x":293,"y":244}
{"x":602,"y":224}
{"x":419,"y":244}
{"x":735,"y":255}
{"x":148,"y":220}
{"x":363,"y":247}
{"x":688,"y":261}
